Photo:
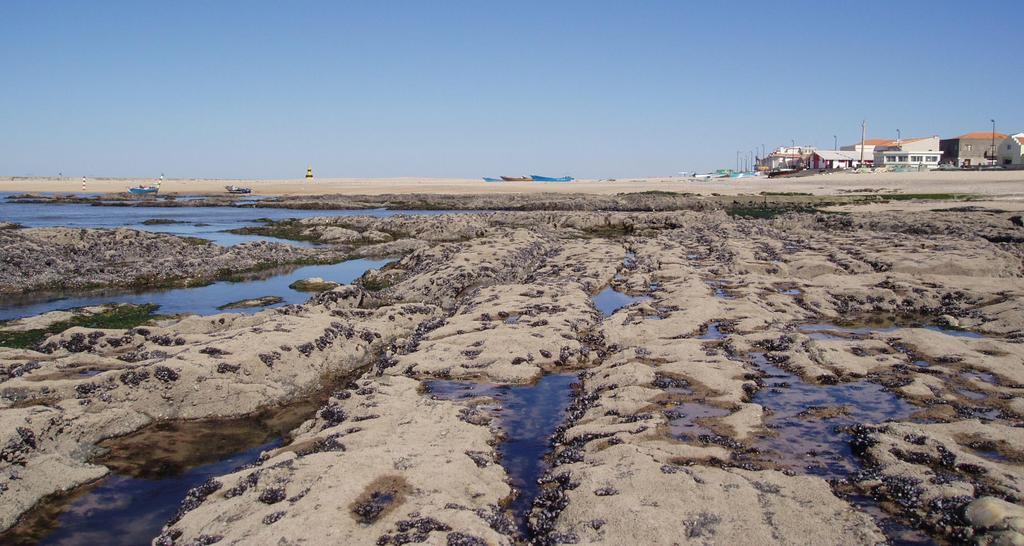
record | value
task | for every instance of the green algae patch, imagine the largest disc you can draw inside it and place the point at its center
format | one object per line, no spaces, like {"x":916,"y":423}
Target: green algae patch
{"x":120,"y":317}
{"x":254,"y":302}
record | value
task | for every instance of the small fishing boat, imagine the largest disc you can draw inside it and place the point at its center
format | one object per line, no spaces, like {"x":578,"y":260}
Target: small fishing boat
{"x":744,"y":174}
{"x":237,"y":189}
{"x":539,"y":178}
{"x":489,"y":179}
{"x":516,"y":178}
{"x":783,"y":172}
{"x":143,"y":190}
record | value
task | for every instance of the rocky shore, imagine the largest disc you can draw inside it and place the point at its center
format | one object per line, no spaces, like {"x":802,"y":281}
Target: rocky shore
{"x":69,"y":258}
{"x":804,"y":378}
{"x":629,"y":201}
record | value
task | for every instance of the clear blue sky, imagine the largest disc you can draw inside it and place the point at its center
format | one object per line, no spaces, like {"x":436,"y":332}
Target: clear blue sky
{"x":589,"y":88}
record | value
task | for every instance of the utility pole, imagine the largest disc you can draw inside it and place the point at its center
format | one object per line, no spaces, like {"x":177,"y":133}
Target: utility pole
{"x":835,"y":143}
{"x":863,"y":129}
{"x":899,"y":138}
{"x":737,"y":160}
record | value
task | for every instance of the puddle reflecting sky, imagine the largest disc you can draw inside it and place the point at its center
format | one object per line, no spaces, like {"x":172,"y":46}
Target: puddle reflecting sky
{"x":809,"y":443}
{"x":152,"y":472}
{"x":529,"y":416}
{"x":202,"y":300}
{"x":205,"y":222}
{"x":610,"y":300}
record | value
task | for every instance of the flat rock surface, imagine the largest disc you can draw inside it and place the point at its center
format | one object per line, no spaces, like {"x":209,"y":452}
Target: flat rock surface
{"x":806,"y":378}
{"x":68,"y":258}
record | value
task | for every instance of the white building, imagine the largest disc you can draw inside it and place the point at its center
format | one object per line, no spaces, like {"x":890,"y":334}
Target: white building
{"x":787,"y":157}
{"x":1011,"y":150}
{"x":834,"y":160}
{"x":868,"y":147}
{"x":921,"y":153}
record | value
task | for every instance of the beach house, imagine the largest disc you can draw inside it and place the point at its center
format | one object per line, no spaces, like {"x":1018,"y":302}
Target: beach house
{"x":1011,"y":150}
{"x":909,"y":153}
{"x":833,"y":160}
{"x":971,"y":149}
{"x":787,"y":157}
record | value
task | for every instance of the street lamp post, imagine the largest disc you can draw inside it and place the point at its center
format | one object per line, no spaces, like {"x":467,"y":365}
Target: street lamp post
{"x":835,"y":143}
{"x":994,"y":162}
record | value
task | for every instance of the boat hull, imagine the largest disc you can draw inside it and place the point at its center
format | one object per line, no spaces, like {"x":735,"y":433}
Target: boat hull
{"x":143,"y":191}
{"x":539,"y":178}
{"x":516,"y":178}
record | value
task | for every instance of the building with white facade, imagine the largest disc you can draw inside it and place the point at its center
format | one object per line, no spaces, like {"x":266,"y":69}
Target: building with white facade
{"x":921,"y":153}
{"x":1011,"y":150}
{"x":869,"y":146}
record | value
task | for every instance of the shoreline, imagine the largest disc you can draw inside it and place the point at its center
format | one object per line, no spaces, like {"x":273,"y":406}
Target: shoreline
{"x":1002,"y":184}
{"x":765,"y":204}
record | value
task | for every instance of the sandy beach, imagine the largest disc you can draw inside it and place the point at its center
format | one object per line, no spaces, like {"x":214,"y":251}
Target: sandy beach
{"x":1006,"y":185}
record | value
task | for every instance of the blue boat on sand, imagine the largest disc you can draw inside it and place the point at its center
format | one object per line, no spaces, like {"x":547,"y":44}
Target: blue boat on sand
{"x":489,"y":179}
{"x":539,"y":178}
{"x":143,"y":190}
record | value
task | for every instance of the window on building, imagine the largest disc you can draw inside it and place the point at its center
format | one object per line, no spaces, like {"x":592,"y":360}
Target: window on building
{"x":915,"y":159}
{"x":903,"y":159}
{"x":970,"y":147}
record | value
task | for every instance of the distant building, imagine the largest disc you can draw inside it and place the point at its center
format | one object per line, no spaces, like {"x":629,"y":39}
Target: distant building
{"x":869,"y":148}
{"x":920,"y":152}
{"x":1011,"y":150}
{"x":971,"y":149}
{"x":834,"y":160}
{"x":787,"y":157}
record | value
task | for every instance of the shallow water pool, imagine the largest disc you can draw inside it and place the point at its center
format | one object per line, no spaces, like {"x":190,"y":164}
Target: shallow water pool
{"x":201,"y":300}
{"x":609,"y":300}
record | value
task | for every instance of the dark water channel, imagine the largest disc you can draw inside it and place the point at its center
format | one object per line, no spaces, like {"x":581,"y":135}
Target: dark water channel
{"x":151,"y":472}
{"x":528,"y":415}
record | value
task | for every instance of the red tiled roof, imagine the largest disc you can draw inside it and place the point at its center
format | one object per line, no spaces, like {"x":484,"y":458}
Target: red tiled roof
{"x":981,"y":135}
{"x":1019,"y":139}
